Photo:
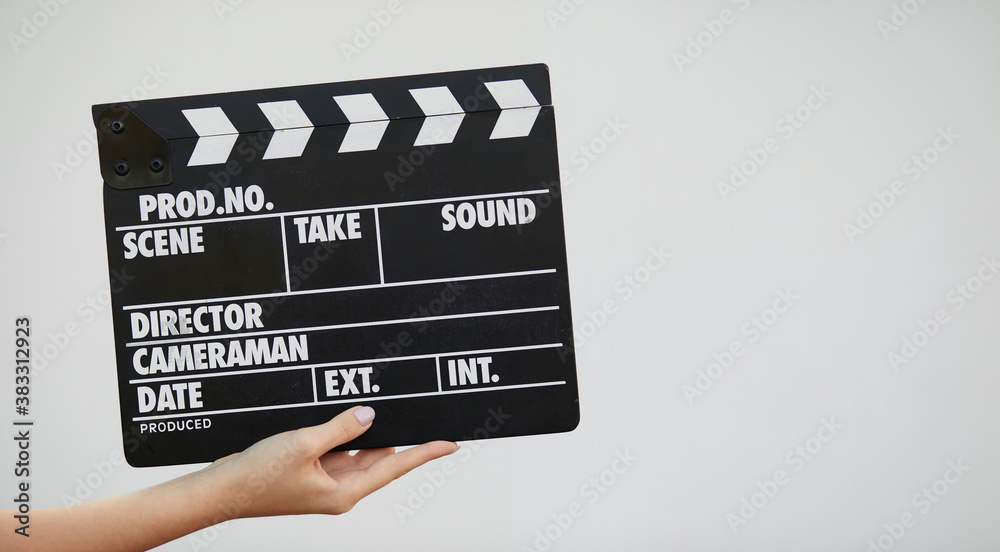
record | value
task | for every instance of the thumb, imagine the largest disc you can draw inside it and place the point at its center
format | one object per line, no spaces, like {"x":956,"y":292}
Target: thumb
{"x":345,"y":427}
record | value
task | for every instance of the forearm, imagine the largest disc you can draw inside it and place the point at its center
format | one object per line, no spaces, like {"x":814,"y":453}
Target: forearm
{"x":289,"y":473}
{"x":131,"y":522}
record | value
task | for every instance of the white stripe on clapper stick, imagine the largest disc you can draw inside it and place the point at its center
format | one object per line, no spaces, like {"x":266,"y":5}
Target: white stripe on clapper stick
{"x":292,"y":129}
{"x":368,"y":122}
{"x":216,"y":135}
{"x":444,"y":115}
{"x":520,"y":108}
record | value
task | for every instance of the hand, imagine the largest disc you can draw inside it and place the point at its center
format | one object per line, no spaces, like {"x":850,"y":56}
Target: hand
{"x":288,"y":473}
{"x":294,"y":472}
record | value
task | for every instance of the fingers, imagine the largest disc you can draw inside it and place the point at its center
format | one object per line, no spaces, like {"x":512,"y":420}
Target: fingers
{"x":223,"y":460}
{"x":380,"y":465}
{"x":394,"y":466}
{"x":345,"y":427}
{"x":367,"y":457}
{"x":333,"y":462}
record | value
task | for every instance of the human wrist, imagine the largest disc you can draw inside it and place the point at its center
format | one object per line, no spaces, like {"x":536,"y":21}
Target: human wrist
{"x":211,"y":494}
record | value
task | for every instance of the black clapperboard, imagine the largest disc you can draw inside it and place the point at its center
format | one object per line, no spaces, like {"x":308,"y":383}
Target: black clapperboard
{"x":279,"y":256}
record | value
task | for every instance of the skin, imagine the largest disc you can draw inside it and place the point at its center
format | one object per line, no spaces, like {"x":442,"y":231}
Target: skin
{"x":285,"y":474}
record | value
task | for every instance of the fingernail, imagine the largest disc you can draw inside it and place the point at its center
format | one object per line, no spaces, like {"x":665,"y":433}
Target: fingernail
{"x":365,"y":415}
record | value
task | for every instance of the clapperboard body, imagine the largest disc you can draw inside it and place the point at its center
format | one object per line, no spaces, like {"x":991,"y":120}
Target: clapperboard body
{"x":278,"y":256}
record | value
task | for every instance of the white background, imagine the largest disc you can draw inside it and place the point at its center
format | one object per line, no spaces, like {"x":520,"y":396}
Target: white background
{"x":686,"y":124}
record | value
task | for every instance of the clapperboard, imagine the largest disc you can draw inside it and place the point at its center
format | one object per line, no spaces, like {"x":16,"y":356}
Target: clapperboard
{"x":278,"y":256}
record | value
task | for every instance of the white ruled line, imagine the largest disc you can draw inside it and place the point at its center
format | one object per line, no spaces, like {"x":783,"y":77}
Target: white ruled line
{"x":315,"y":392}
{"x":353,"y":401}
{"x":201,"y":375}
{"x":335,"y":290}
{"x":342,"y":326}
{"x":284,"y":256}
{"x":378,"y":245}
{"x":437,"y":370}
{"x":190,"y":222}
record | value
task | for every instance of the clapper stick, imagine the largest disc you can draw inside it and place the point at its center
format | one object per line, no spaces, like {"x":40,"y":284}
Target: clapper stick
{"x":281,"y":255}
